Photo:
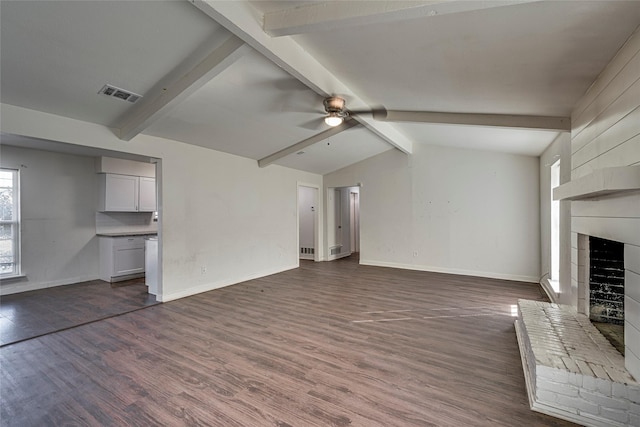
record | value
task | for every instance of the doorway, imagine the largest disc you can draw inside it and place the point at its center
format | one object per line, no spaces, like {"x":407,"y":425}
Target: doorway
{"x":62,"y":265}
{"x":307,"y":222}
{"x":343,"y":219}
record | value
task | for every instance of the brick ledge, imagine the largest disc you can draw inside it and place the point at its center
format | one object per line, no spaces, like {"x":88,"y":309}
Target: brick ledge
{"x":531,"y":389}
{"x":561,"y":391}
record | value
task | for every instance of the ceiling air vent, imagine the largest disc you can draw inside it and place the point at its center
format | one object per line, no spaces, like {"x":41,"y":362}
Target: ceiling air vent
{"x":116,"y":92}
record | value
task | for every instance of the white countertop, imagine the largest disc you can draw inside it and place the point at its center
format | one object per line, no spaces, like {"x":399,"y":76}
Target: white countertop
{"x":128,"y":234}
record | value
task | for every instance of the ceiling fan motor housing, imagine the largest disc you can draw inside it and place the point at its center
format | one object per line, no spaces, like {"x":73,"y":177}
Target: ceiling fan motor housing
{"x":334,"y":104}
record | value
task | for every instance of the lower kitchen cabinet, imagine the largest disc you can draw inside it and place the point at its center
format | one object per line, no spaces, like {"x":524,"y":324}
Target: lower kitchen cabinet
{"x":121,"y":258}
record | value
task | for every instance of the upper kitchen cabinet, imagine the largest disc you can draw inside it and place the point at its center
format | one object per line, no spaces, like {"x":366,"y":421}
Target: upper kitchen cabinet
{"x":147,"y":194}
{"x":126,"y":193}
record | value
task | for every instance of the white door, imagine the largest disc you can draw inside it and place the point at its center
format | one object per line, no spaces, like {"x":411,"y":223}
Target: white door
{"x":354,"y":219}
{"x":307,"y":200}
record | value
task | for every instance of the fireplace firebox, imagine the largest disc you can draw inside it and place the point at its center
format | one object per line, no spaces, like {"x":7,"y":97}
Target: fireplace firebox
{"x":606,"y":281}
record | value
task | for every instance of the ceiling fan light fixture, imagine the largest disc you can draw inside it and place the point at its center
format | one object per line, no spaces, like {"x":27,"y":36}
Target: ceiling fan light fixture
{"x":333,"y":119}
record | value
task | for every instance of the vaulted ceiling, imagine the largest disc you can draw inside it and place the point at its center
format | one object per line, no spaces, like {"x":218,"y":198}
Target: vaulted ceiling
{"x":248,"y":78}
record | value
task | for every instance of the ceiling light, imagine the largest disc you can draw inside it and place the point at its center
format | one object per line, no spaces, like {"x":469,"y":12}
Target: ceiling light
{"x":333,"y":119}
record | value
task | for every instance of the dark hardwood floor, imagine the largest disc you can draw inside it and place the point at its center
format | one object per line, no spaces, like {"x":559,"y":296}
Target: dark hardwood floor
{"x":327,"y":344}
{"x":31,"y":314}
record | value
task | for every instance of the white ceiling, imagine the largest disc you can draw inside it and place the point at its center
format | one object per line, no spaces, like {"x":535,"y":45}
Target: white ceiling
{"x":534,"y":58}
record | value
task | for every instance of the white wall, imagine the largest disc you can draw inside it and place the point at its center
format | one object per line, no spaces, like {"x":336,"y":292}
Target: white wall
{"x":560,"y":149}
{"x":606,"y":133}
{"x":217,"y":210}
{"x":450,"y":210}
{"x":58,"y":206}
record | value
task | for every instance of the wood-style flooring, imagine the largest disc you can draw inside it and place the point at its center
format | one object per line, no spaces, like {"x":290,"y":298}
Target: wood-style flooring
{"x":327,"y":344}
{"x":31,"y":314}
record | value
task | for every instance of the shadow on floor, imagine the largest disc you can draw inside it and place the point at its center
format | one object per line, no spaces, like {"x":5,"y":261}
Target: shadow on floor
{"x":35,"y":313}
{"x":614,"y":333}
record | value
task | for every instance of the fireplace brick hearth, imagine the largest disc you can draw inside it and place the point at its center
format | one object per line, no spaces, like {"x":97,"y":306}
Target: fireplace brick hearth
{"x":571,"y":370}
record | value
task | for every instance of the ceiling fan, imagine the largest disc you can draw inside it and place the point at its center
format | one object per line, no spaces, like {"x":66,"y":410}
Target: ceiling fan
{"x":339,"y":118}
{"x":336,"y":112}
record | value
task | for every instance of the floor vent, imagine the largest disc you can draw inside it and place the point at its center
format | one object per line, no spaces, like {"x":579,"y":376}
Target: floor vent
{"x":307,"y":251}
{"x":116,"y":92}
{"x":335,"y":250}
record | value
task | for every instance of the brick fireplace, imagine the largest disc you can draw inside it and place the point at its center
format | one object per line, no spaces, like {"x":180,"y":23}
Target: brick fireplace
{"x":572,"y":371}
{"x":585,"y":379}
{"x":603,"y":206}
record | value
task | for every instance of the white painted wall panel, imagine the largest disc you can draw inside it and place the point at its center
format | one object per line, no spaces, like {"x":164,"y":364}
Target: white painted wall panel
{"x":612,"y":104}
{"x":632,"y":259}
{"x":632,"y":362}
{"x":625,"y":230}
{"x":449,"y":210}
{"x":632,"y":342}
{"x":626,"y":154}
{"x":632,"y":316}
{"x":616,"y":66}
{"x":619,"y":133}
{"x":616,"y":206}
{"x":632,"y":284}
{"x":606,"y":133}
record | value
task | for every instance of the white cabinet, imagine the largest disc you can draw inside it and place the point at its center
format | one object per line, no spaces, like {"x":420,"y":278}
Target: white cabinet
{"x":118,"y":193}
{"x":126,"y":193}
{"x":147,"y":194}
{"x":121,"y":258}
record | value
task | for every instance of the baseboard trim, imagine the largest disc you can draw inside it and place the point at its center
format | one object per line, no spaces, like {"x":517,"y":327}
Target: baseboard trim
{"x":19,"y":285}
{"x":221,"y":284}
{"x":548,"y":289}
{"x":490,"y":275}
{"x":338,"y":256}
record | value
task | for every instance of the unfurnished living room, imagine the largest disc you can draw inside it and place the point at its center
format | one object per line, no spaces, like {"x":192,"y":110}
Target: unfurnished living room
{"x":320,"y":213}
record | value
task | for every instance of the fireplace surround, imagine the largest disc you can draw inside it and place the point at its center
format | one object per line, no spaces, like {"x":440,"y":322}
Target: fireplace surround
{"x":604,"y":205}
{"x":571,"y":370}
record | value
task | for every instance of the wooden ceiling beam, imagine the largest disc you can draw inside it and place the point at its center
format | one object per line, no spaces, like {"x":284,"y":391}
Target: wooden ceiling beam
{"x":241,"y":19}
{"x":559,"y":124}
{"x":335,"y":15}
{"x":151,"y":109}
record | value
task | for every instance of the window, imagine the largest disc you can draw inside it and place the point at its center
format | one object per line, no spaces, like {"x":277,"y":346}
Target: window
{"x":9,"y":223}
{"x":555,"y":228}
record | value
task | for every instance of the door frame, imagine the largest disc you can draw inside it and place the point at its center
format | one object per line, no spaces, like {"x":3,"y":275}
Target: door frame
{"x":318,"y":247}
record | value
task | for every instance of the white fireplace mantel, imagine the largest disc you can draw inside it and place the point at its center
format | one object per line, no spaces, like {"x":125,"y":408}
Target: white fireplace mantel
{"x":599,"y":183}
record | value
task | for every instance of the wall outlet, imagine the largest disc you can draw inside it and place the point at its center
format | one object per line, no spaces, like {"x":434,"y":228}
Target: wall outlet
{"x":203,"y":270}
{"x":415,"y":253}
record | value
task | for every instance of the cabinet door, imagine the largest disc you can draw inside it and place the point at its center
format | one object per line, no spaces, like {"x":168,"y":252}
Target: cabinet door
{"x":121,"y":193}
{"x":128,"y":260}
{"x":147,"y":195}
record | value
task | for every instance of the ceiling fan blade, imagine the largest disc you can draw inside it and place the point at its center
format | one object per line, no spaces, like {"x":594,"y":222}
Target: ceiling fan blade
{"x":314,"y":124}
{"x":348,"y":124}
{"x":378,"y":112}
